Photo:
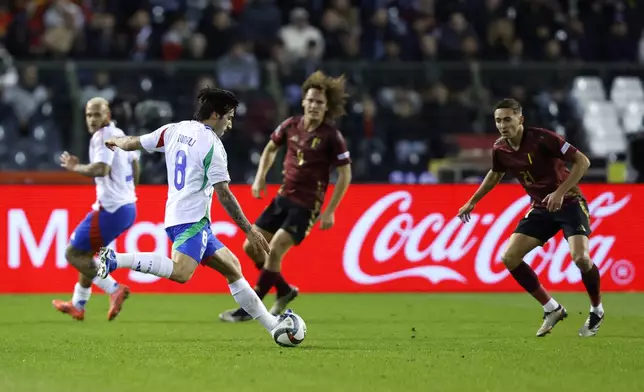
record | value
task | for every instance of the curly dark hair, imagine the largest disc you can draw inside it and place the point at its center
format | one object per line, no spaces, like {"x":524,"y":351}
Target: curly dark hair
{"x":333,"y":89}
{"x":214,"y":100}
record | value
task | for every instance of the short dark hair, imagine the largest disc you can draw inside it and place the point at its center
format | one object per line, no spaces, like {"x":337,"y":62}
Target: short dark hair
{"x":509,"y":103}
{"x":214,"y":100}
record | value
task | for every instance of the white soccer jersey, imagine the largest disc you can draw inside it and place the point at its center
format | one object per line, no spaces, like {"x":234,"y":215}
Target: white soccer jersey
{"x":117,"y":188}
{"x":196,"y":160}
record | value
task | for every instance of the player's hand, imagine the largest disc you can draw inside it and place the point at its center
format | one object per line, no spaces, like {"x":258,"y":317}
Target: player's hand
{"x":111,"y":144}
{"x":259,"y":188}
{"x":464,"y":212}
{"x":327,"y":220}
{"x":554,"y":201}
{"x":68,"y":161}
{"x":258,"y":242}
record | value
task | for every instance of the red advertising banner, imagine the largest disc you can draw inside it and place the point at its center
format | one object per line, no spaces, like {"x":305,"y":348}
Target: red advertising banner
{"x":386,"y":239}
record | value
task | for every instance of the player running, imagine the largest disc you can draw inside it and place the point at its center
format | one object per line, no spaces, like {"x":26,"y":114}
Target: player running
{"x":115,"y":173}
{"x":313,"y":147}
{"x":537,"y":158}
{"x":197,"y":167}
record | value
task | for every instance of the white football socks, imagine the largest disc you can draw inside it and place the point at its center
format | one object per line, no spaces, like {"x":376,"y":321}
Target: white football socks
{"x":148,"y":263}
{"x":109,"y":284}
{"x":598,"y":310}
{"x":550,"y":305}
{"x":247,"y":298}
{"x":81,"y":296}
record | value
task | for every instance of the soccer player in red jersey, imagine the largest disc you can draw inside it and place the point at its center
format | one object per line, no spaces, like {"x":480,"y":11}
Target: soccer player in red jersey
{"x":537,"y":158}
{"x":313,"y":148}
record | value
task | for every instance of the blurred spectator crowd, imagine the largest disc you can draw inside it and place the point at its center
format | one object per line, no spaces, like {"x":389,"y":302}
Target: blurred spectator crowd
{"x":418,"y":70}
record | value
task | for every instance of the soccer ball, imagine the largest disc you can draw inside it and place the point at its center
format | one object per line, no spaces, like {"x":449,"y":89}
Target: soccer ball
{"x":290,"y":330}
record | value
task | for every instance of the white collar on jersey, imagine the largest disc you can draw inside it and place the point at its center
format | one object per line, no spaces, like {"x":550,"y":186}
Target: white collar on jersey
{"x":110,"y":125}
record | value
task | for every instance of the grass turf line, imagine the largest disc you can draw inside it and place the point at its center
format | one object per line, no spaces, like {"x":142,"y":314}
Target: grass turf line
{"x":379,"y":342}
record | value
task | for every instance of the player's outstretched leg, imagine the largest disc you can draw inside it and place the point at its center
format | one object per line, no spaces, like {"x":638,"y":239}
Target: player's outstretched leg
{"x":520,"y":245}
{"x":227,"y":264}
{"x":182,"y":266}
{"x":180,"y":270}
{"x":269,"y":275}
{"x":188,"y":248}
{"x":591,"y":279}
{"x":83,"y":261}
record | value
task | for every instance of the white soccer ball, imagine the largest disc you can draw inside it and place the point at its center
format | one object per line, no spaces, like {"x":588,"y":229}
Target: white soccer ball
{"x":290,"y":330}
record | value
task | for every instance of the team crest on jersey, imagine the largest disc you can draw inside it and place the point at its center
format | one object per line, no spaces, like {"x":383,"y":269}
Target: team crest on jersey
{"x":294,"y":139}
{"x":315,"y":142}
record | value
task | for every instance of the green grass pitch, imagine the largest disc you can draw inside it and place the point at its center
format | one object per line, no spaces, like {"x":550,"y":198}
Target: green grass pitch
{"x":384,"y":342}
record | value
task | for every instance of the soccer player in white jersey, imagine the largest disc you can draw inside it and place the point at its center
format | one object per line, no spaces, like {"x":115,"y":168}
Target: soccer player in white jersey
{"x":114,"y":211}
{"x":197,"y":167}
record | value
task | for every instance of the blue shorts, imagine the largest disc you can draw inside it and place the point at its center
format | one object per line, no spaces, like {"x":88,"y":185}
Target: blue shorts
{"x":194,"y":239}
{"x":99,"y":228}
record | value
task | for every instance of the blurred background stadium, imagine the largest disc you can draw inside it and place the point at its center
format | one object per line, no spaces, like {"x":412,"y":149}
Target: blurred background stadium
{"x":423,"y":76}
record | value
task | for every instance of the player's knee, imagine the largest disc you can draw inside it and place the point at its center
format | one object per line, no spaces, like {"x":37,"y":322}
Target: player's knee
{"x":280,"y":247}
{"x":181,"y":276}
{"x":71,"y":253}
{"x":511,"y":260}
{"x":181,"y":273}
{"x":183,"y":279}
{"x":582,"y":260}
{"x":277,"y":253}
{"x":76,"y":257}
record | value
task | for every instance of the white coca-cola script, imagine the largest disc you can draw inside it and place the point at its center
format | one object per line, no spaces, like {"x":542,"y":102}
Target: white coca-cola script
{"x":452,"y":241}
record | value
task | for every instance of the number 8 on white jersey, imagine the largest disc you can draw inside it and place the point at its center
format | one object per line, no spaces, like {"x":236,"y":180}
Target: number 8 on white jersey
{"x":195,"y":161}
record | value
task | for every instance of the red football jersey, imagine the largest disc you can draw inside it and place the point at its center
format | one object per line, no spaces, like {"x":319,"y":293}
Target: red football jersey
{"x":539,"y":164}
{"x":310,"y":156}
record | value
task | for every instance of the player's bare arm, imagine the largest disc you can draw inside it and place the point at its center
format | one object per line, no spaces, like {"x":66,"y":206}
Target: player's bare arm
{"x":96,"y":169}
{"x":232,"y":207}
{"x":577,"y":172}
{"x":127,"y":143}
{"x":265,"y":163}
{"x":489,"y":182}
{"x":136,"y":171}
{"x":327,"y":219}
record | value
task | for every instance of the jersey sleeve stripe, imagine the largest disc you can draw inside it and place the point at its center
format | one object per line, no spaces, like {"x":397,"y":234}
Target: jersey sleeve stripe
{"x":565,"y":147}
{"x":344,"y":155}
{"x":161,"y":141}
{"x":206,"y":165}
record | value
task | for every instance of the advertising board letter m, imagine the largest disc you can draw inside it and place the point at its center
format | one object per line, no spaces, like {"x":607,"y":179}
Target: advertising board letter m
{"x":20,"y":232}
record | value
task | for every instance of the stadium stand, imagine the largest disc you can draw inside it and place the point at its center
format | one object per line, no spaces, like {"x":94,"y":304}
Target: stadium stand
{"x":423,"y":75}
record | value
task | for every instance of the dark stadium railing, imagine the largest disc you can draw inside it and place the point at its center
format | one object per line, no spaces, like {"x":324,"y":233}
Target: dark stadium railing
{"x":175,"y":82}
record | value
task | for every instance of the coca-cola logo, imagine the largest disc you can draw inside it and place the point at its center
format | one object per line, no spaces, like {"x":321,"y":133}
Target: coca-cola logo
{"x":451,"y":242}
